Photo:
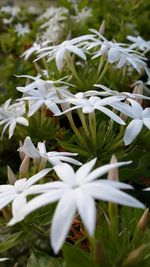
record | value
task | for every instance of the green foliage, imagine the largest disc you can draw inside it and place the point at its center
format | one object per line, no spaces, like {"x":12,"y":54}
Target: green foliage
{"x":39,"y":259}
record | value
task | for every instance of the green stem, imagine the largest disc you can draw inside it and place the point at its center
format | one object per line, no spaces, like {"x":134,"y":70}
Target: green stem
{"x":71,"y":66}
{"x":83,"y":121}
{"x":101,"y":62}
{"x":92,"y":124}
{"x":42,"y":116}
{"x":102,"y":73}
{"x":74,"y":128}
{"x":45,"y":64}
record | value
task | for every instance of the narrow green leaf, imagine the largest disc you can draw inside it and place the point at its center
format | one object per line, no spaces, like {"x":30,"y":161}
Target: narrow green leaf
{"x":10,"y":241}
{"x":40,"y":259}
{"x":75,"y":257}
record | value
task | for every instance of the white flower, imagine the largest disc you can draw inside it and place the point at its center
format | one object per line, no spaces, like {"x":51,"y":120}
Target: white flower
{"x":139,"y":42}
{"x":8,"y":21}
{"x":117,"y":53}
{"x":12,"y":10}
{"x":60,"y":52}
{"x":21,"y":30}
{"x":53,"y":12}
{"x":140,"y":118}
{"x":108,"y":92}
{"x":82,"y":16}
{"x":94,"y":103}
{"x":76,"y":192}
{"x":10,"y":115}
{"x":4,"y":259}
{"x":40,"y":153}
{"x":36,"y":46}
{"x":43,"y":93}
{"x":17,"y":193}
{"x":54,"y":25}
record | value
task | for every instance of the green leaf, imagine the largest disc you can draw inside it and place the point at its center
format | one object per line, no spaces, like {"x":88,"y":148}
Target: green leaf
{"x":10,"y":241}
{"x":75,"y":257}
{"x":40,"y":259}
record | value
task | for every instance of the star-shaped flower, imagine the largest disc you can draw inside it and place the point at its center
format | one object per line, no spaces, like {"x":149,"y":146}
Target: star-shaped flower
{"x":40,"y":153}
{"x":139,"y":42}
{"x":76,"y":192}
{"x":140,"y":118}
{"x":118,"y":53}
{"x":60,"y":52}
{"x":18,"y":192}
{"x":93,"y":103}
{"x":41,"y":93}
{"x":10,"y":115}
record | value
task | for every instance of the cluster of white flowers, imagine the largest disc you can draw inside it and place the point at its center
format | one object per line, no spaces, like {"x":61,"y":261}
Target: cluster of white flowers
{"x":45,"y":93}
{"x":74,"y":192}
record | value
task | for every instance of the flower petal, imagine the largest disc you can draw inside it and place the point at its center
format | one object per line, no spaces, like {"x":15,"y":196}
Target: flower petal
{"x":107,"y":193}
{"x":87,"y":210}
{"x":133,"y":129}
{"x":111,"y":114}
{"x":62,"y":220}
{"x":76,"y":51}
{"x":12,"y":128}
{"x":29,"y":149}
{"x":59,"y":58}
{"x":84,"y":170}
{"x":104,"y":169}
{"x":32,"y":180}
{"x":147,"y":122}
{"x":66,"y":173}
{"x":34,"y":106}
{"x":5,"y":199}
{"x":18,"y":204}
{"x":37,"y":203}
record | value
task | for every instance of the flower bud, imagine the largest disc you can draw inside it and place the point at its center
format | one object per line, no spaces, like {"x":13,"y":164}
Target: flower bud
{"x":21,"y":153}
{"x":113,"y":173}
{"x":24,"y":166}
{"x":102,"y":27}
{"x":113,"y":207}
{"x":142,"y":224}
{"x":138,"y":89}
{"x":11,"y":176}
{"x":135,"y":256}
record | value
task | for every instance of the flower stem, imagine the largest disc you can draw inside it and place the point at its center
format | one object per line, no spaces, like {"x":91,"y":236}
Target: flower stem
{"x":92,"y":124}
{"x":84,"y":124}
{"x":74,"y":128}
{"x":102,"y":73}
{"x":71,"y":66}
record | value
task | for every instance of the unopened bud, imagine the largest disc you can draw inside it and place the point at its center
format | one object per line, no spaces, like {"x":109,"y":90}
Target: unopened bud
{"x":113,"y":173}
{"x":138,"y":89}
{"x":11,"y":176}
{"x":102,"y":27}
{"x":21,"y":153}
{"x":135,"y":256}
{"x":142,"y":224}
{"x":24,"y":166}
{"x":113,"y":207}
